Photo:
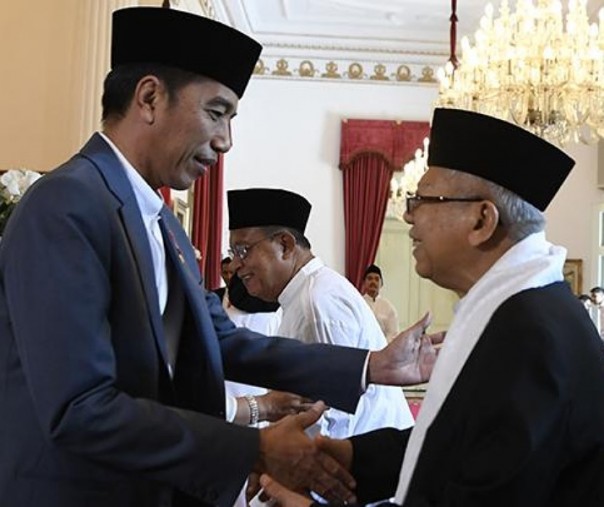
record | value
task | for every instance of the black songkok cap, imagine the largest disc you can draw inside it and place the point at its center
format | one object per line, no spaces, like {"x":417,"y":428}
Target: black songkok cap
{"x":260,"y":207}
{"x":500,"y":152}
{"x":185,"y":41}
{"x":373,"y":269}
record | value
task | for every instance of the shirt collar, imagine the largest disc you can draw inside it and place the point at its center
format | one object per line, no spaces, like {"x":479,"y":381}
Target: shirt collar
{"x":288,"y":294}
{"x":149,"y":201}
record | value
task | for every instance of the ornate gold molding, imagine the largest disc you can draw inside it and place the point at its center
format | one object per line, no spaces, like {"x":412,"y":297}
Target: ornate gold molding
{"x":305,"y":68}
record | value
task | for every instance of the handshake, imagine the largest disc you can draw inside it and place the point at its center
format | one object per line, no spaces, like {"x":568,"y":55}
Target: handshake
{"x":303,"y":464}
{"x":291,"y":465}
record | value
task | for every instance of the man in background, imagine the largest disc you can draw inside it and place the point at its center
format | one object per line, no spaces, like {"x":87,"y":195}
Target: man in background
{"x":384,"y":311}
{"x":513,"y":414}
{"x":226,"y":273}
{"x":597,"y":308}
{"x":273,"y":258}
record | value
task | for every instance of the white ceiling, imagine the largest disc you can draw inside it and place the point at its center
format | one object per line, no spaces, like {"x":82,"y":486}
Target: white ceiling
{"x":414,"y":31}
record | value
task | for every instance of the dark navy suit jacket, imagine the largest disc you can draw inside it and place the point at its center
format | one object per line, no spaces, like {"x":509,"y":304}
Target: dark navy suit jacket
{"x":89,"y":415}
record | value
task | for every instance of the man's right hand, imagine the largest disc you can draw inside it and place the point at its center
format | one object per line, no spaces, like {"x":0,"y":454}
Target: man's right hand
{"x":291,"y":457}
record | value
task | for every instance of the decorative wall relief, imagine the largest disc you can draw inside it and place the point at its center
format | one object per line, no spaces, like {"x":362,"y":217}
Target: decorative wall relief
{"x":279,"y":67}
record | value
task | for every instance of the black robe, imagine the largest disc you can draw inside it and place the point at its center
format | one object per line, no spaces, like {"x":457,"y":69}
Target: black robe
{"x":523,"y":424}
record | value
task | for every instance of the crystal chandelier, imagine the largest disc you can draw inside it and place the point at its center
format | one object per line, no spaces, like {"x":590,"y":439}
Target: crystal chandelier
{"x":530,"y":68}
{"x":407,"y":182}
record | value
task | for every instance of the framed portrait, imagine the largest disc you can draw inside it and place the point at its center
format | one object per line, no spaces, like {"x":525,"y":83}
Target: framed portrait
{"x":573,"y":274}
{"x":183,"y":213}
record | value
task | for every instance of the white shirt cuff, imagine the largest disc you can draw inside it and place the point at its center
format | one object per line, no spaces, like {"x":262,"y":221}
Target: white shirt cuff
{"x":364,"y":375}
{"x":231,"y":408}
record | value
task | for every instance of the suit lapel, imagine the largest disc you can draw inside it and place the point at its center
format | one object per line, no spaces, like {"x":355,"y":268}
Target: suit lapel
{"x":103,"y":157}
{"x":204,"y":337}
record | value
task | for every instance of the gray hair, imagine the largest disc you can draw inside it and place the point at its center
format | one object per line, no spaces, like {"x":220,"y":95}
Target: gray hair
{"x":301,"y":239}
{"x":518,"y":217}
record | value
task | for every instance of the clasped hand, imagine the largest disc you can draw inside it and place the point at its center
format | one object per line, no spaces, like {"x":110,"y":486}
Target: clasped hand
{"x":296,"y":461}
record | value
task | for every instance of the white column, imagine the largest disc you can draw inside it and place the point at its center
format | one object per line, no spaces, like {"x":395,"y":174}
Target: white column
{"x":92,"y":60}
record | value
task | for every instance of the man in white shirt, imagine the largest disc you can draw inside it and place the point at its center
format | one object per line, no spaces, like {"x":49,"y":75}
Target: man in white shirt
{"x":274,"y":260}
{"x":384,"y":311}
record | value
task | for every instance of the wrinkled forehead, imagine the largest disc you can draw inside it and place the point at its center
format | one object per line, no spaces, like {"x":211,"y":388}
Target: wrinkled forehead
{"x":444,"y":179}
{"x":435,"y":177}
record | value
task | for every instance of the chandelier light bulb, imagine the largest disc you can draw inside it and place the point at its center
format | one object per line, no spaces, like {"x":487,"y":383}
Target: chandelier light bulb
{"x":534,"y":67}
{"x":406,"y":181}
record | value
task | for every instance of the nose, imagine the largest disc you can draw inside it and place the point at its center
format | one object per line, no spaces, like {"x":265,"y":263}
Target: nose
{"x":408,"y":217}
{"x":222,"y":140}
{"x":235,"y":263}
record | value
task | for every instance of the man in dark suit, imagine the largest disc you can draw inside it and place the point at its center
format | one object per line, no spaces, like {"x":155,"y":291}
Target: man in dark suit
{"x":112,"y":356}
{"x":514,"y":411}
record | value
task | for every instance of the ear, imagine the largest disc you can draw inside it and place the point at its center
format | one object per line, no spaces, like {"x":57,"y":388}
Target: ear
{"x":485,"y":225}
{"x":287,"y":243}
{"x":148,"y":93}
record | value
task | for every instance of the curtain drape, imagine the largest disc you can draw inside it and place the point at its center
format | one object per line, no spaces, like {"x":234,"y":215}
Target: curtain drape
{"x":166,"y":195}
{"x":370,"y":151}
{"x":206,"y":234}
{"x":366,"y":186}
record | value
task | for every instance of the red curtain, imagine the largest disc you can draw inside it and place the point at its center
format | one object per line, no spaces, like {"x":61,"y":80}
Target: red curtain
{"x":206,"y":234}
{"x":366,"y":186}
{"x":165,"y":193}
{"x":370,"y":151}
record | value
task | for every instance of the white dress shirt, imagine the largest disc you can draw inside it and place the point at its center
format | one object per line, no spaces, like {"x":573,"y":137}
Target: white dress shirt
{"x":385,"y":313}
{"x":321,"y":306}
{"x":150,"y":204}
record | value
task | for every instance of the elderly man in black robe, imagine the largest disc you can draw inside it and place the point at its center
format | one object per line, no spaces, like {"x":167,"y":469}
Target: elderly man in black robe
{"x":514,"y":412}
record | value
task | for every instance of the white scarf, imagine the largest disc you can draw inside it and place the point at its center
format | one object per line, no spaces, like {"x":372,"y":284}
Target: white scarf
{"x":531,"y":263}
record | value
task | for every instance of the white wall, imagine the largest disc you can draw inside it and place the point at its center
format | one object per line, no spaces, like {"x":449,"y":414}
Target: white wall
{"x":287,"y":135}
{"x":572,"y":216}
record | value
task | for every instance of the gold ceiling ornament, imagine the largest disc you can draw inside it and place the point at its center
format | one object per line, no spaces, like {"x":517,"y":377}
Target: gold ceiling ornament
{"x":306,"y":69}
{"x":403,"y":73}
{"x":534,"y":69}
{"x":355,"y":71}
{"x":379,"y":73}
{"x":331,"y":70}
{"x":282,"y":68}
{"x":405,"y":182}
{"x":260,"y":68}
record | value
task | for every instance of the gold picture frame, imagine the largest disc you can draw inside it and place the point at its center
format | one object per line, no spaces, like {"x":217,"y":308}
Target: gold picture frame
{"x":573,"y":275}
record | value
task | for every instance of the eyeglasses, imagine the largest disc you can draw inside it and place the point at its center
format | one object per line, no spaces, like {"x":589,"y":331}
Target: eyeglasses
{"x":414,"y":200}
{"x":241,"y":251}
